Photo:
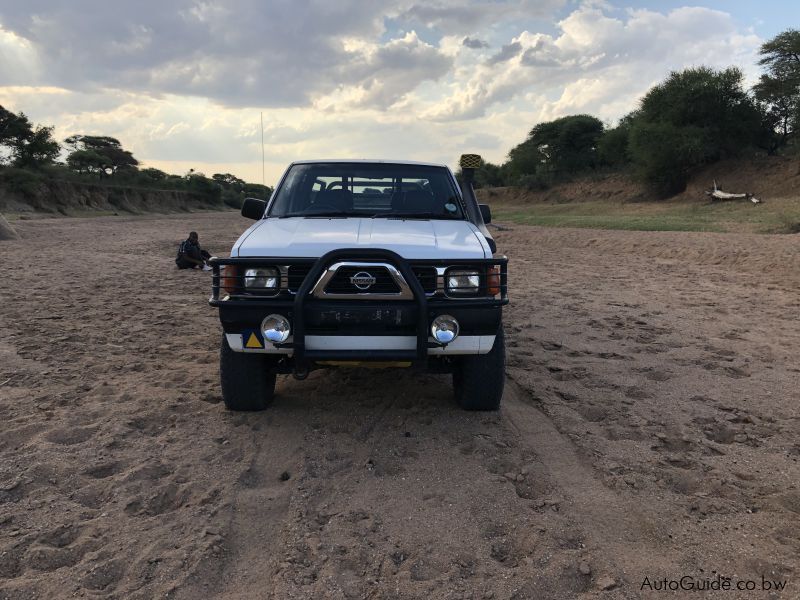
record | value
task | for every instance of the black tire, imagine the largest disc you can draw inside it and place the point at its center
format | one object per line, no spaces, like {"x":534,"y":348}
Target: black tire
{"x":478,"y":380}
{"x":247,"y":380}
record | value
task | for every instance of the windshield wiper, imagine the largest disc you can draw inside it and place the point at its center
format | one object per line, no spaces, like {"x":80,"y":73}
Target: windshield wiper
{"x":382,"y":215}
{"x":328,"y":215}
{"x":419,"y":215}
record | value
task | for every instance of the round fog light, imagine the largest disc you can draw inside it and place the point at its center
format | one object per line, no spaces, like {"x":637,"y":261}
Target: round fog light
{"x":275,"y":328}
{"x":444,"y":329}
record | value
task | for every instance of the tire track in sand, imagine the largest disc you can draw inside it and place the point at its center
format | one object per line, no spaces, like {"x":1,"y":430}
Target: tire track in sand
{"x":260,"y":509}
{"x":266,"y":504}
{"x":633,"y":538}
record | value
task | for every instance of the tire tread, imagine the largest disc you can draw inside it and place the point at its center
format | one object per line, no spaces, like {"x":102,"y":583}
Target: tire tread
{"x":478,"y":380}
{"x":247,"y":380}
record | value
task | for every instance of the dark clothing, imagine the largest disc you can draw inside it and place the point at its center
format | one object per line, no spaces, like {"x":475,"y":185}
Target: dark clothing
{"x":192,"y":250}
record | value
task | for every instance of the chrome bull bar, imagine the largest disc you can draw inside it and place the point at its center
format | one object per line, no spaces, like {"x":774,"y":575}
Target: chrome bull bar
{"x":370,"y":256}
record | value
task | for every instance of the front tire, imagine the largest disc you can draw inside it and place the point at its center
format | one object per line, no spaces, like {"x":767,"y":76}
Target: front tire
{"x":247,"y":380}
{"x":478,"y":380}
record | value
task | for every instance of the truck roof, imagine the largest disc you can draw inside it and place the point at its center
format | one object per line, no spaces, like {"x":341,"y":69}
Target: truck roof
{"x":368,"y":160}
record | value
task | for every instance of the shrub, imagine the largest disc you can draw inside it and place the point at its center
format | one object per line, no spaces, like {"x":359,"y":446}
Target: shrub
{"x":533,"y":183}
{"x":694,"y":117}
{"x":232,"y":199}
{"x":24,"y":182}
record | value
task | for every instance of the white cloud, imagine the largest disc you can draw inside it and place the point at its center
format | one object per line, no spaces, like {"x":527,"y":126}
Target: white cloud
{"x":18,"y":59}
{"x":385,"y":73}
{"x":595,"y":56}
{"x":181,"y":84}
{"x":468,"y":15}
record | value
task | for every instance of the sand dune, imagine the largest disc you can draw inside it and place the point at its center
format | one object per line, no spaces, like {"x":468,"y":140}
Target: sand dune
{"x":650,"y":428}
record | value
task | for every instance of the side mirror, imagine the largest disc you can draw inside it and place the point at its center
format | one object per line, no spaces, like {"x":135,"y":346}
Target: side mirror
{"x":253,"y":208}
{"x":486,"y":213}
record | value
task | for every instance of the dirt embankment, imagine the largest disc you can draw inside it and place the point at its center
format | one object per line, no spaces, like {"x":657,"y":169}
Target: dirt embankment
{"x":66,"y":197}
{"x":767,"y":178}
{"x":650,"y":429}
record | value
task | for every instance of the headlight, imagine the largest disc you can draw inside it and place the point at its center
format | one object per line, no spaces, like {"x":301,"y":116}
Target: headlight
{"x":261,"y":278}
{"x":462,"y":282}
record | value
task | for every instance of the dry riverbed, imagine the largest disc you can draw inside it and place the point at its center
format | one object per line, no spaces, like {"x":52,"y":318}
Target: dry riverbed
{"x":649,"y":430}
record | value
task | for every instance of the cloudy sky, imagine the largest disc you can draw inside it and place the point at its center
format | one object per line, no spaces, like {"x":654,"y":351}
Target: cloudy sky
{"x":182,"y":82}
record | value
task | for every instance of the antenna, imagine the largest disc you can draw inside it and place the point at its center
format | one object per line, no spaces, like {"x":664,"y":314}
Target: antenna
{"x":263,"y":178}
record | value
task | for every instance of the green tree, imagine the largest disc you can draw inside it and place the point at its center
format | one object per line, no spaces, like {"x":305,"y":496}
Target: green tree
{"x":38,"y":149}
{"x":235,"y":190}
{"x":87,"y":161}
{"x":197,"y":183}
{"x":694,"y":117}
{"x":116,"y":157}
{"x":778,"y":90}
{"x":13,"y":127}
{"x":666,"y":154}
{"x":612,"y":147}
{"x":228,"y":181}
{"x":26,"y":146}
{"x":558,"y":148}
{"x":153,"y":175}
{"x":256,"y":190}
{"x":487,"y":175}
{"x":524,"y":159}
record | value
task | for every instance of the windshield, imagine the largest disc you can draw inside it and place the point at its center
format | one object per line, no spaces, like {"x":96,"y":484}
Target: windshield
{"x":367,"y":190}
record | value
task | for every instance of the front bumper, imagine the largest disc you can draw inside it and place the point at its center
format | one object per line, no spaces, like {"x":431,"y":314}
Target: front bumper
{"x":356,"y":347}
{"x":360,"y":329}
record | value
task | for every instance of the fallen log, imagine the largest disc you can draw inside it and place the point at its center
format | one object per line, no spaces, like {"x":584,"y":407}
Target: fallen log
{"x":718,"y":194}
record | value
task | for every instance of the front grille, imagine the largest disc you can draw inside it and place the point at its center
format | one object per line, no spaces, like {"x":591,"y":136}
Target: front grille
{"x":341,"y":284}
{"x":298,"y":272}
{"x":227,"y":284}
{"x":296,"y":276}
{"x":426,"y":277}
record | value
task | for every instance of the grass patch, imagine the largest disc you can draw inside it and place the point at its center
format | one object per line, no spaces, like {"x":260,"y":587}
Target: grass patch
{"x":628,"y":222}
{"x":781,"y":215}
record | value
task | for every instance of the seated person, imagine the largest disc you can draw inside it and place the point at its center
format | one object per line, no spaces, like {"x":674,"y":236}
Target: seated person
{"x":191,"y":255}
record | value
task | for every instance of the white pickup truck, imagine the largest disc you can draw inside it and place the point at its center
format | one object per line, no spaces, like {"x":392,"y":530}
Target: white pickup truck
{"x":353,"y":262}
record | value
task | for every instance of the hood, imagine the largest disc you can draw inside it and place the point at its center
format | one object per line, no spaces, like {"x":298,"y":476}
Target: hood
{"x":312,"y":237}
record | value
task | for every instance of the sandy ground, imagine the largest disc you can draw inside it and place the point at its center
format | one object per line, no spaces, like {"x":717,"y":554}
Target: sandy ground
{"x":649,"y":430}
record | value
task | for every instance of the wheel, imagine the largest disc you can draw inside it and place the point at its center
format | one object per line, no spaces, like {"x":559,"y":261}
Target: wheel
{"x":478,"y":379}
{"x":248,"y":380}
